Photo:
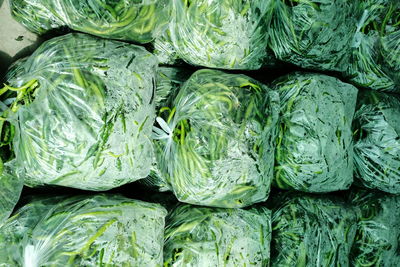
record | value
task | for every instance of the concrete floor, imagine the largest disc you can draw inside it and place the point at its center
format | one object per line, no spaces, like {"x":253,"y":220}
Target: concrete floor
{"x":15,"y":41}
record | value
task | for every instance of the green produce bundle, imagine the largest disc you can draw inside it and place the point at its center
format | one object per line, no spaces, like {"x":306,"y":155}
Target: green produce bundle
{"x":215,"y":142}
{"x":135,"y":20}
{"x":375,"y":59}
{"x":228,"y":34}
{"x":199,"y":236}
{"x":10,"y":189}
{"x":311,"y":231}
{"x":83,"y":113}
{"x":313,"y":34}
{"x":377,"y":241}
{"x":314,"y":148}
{"x":100,"y":230}
{"x":377,"y":141}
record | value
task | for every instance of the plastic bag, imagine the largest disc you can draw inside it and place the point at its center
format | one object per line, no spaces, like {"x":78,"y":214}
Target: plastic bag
{"x":229,"y":34}
{"x":98,"y":230}
{"x":312,"y":34}
{"x":311,"y":231}
{"x":198,"y":236}
{"x":216,"y":140}
{"x":83,"y":117}
{"x":377,"y":241}
{"x":10,"y":189}
{"x":135,"y":20}
{"x":375,"y":62}
{"x":377,"y":141}
{"x":314,"y":148}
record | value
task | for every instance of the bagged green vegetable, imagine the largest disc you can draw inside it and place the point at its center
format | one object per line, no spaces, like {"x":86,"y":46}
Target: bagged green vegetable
{"x":313,"y":34}
{"x":10,"y":189}
{"x":215,"y":143}
{"x":100,"y":230}
{"x":229,"y":34}
{"x":83,"y":113}
{"x":314,"y":148}
{"x":377,"y":141}
{"x":310,"y":230}
{"x":375,"y":62}
{"x":377,"y":241}
{"x":136,"y":20}
{"x":199,"y":236}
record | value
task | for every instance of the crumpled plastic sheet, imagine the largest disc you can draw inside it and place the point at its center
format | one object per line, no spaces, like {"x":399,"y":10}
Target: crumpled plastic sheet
{"x":312,"y":34}
{"x":311,"y":230}
{"x":136,"y":20}
{"x":10,"y":189}
{"x":314,"y":148}
{"x":199,"y":236}
{"x":377,"y":141}
{"x":86,"y":119}
{"x":216,"y":141}
{"x":228,"y":34}
{"x":375,"y":58}
{"x":99,"y":230}
{"x":377,"y":241}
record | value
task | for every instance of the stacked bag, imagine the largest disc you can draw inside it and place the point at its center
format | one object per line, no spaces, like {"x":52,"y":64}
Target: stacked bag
{"x":259,"y":166}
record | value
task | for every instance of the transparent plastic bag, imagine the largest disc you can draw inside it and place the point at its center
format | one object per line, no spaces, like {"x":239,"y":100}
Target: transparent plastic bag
{"x":136,"y":20}
{"x":216,"y":141}
{"x":99,"y":230}
{"x":83,"y":113}
{"x":310,"y":230}
{"x":314,"y":148}
{"x":229,"y":34}
{"x":377,"y":141}
{"x":10,"y":189}
{"x":169,"y":81}
{"x":313,"y":34}
{"x":165,"y":51}
{"x":374,"y":62}
{"x":377,"y":241}
{"x":199,"y":236}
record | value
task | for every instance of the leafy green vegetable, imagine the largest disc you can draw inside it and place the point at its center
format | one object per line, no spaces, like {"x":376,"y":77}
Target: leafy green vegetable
{"x":100,"y":230}
{"x":311,"y":231}
{"x":229,"y":34}
{"x":375,"y":56}
{"x":377,"y":241}
{"x":197,"y":236}
{"x":377,"y":141}
{"x":216,"y":141}
{"x":312,"y":34}
{"x":134,"y":20}
{"x":83,"y":113}
{"x":314,"y":148}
